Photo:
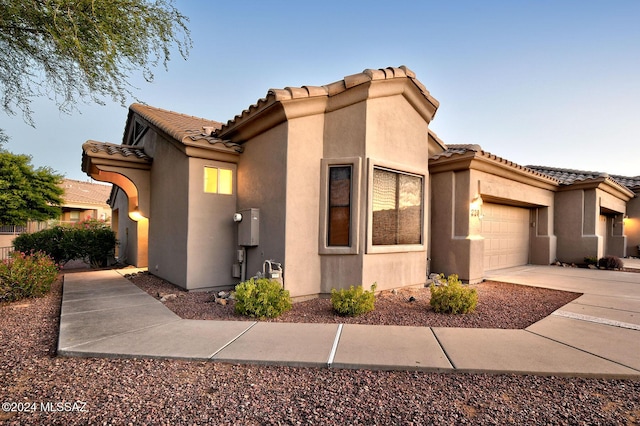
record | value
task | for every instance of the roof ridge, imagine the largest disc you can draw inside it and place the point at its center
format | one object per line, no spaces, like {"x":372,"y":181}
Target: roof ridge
{"x":331,"y":89}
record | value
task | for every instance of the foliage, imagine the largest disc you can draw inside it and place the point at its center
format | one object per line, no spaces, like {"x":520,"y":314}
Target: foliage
{"x":610,"y":262}
{"x":90,"y":240}
{"x":453,"y":297}
{"x":591,"y":260}
{"x":27,"y":193}
{"x":70,"y":50}
{"x":353,"y":301}
{"x":261,"y":297}
{"x":24,"y":276}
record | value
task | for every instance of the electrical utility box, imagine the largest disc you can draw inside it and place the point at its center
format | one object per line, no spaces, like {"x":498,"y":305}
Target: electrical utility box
{"x":249,"y":228}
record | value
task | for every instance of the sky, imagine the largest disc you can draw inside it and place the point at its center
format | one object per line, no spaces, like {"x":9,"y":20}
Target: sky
{"x":538,"y":82}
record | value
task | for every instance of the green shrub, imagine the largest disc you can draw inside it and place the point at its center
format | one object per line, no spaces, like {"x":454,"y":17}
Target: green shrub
{"x":90,"y":240}
{"x":24,"y":276}
{"x":591,"y":260}
{"x":453,"y":297}
{"x":353,"y":301}
{"x":261,"y":298}
{"x":610,"y":262}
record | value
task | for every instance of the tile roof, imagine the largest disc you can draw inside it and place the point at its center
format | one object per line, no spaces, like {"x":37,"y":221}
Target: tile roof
{"x":76,"y":191}
{"x":569,"y":176}
{"x":181,"y":127}
{"x":126,"y":151}
{"x":274,"y":95}
{"x":175,"y":124}
{"x":460,"y":150}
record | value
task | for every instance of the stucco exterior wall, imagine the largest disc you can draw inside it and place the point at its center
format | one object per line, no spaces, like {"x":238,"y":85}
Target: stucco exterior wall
{"x":345,"y":135}
{"x":632,"y":227}
{"x":457,"y":244}
{"x":169,"y":199}
{"x":302,"y":266}
{"x":262,"y":180}
{"x":577,"y":220}
{"x":397,"y":138}
{"x":127,"y":231}
{"x":211,"y":231}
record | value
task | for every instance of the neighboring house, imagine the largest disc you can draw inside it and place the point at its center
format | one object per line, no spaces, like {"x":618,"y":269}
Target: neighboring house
{"x":489,"y":213}
{"x":84,"y":200}
{"x":80,"y":201}
{"x":344,"y":184}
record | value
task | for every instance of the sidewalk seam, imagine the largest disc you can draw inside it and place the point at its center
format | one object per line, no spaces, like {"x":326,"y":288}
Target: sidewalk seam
{"x":232,"y":340}
{"x":444,"y":351}
{"x":334,"y":348}
{"x":581,"y":350}
{"x":115,"y":335}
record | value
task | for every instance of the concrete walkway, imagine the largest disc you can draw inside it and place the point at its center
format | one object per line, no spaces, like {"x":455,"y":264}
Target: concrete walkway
{"x":597,"y":335}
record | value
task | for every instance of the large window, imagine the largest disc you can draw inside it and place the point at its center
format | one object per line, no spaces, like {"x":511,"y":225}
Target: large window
{"x":397,"y":208}
{"x":339,"y":214}
{"x":218,"y":180}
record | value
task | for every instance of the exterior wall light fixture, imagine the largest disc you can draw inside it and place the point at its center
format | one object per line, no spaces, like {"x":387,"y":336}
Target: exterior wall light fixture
{"x":135,"y":215}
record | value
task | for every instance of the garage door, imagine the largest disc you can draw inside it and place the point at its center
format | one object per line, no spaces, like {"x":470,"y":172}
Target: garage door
{"x":506,"y":236}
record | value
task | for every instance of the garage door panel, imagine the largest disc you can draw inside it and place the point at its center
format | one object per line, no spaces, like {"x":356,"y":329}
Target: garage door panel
{"x":506,"y":233}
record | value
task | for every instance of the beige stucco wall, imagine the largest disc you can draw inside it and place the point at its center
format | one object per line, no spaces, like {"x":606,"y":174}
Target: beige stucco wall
{"x":345,"y":136}
{"x":397,"y":137}
{"x":262,"y":180}
{"x":577,"y":221}
{"x":457,"y":245}
{"x":169,"y":203}
{"x":302,"y":266}
{"x":632,"y":227}
{"x":127,"y":232}
{"x":211,"y":231}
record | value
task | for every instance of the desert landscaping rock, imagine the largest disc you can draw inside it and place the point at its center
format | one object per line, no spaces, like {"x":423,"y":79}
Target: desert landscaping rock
{"x":162,"y":392}
{"x":500,"y":305}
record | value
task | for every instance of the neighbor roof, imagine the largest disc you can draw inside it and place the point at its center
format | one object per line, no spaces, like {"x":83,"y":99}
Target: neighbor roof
{"x":569,"y":176}
{"x":474,"y":150}
{"x":76,"y":191}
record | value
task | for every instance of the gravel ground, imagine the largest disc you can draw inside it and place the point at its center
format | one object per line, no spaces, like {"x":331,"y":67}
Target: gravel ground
{"x":161,"y":392}
{"x":500,"y":305}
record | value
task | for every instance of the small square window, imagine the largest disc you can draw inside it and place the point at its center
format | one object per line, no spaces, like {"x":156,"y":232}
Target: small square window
{"x":218,"y":180}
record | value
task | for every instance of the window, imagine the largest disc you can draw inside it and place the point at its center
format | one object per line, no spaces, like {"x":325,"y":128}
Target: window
{"x":340,"y":180}
{"x":74,"y":215}
{"x":339,"y":214}
{"x":218,"y":180}
{"x":397,"y":208}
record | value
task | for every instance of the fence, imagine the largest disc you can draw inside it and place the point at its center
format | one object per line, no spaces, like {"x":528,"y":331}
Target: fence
{"x":5,"y":252}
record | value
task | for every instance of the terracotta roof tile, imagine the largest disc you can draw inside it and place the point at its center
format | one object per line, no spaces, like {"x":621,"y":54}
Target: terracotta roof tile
{"x":177,"y":125}
{"x":182,"y":127}
{"x":453,"y":150}
{"x":569,"y":176}
{"x":76,"y":191}
{"x":332,"y":89}
{"x":125,"y":151}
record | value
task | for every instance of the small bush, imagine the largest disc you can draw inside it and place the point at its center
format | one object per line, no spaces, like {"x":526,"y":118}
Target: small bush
{"x":610,"y":262}
{"x":23,"y":276}
{"x":353,"y":301}
{"x":591,"y":260}
{"x":453,"y":297}
{"x":90,"y":240}
{"x":261,"y":298}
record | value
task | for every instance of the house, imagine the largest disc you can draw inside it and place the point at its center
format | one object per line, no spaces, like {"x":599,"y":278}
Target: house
{"x":84,"y":200}
{"x":342,"y":184}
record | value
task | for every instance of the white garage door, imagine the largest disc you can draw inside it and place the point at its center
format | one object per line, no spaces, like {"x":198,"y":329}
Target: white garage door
{"x":506,"y":236}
